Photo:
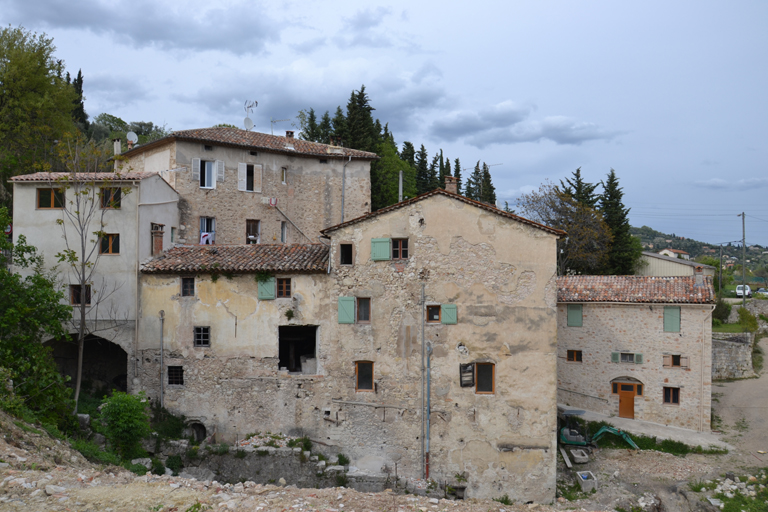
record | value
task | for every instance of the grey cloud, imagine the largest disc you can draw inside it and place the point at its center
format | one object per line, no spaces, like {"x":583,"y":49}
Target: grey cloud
{"x":363,"y":29}
{"x":366,"y":19}
{"x":240,"y":30}
{"x":310,"y":45}
{"x":112,"y":91}
{"x":739,"y":185}
{"x":469,"y":124}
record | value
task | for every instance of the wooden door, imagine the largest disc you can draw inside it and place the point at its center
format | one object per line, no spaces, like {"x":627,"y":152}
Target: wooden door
{"x":627,"y":395}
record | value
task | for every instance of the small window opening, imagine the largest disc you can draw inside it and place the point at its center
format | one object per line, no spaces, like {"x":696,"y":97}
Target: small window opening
{"x":207,"y":230}
{"x":672,"y":396}
{"x":111,"y":197}
{"x":187,"y":286}
{"x":249,"y":178}
{"x":284,"y":175}
{"x":484,"y":383}
{"x":345,"y":257}
{"x":202,"y":336}
{"x":284,"y":287}
{"x":363,"y":310}
{"x":399,"y":248}
{"x":298,"y":348}
{"x":627,"y":357}
{"x":49,"y":198}
{"x":253,"y":153}
{"x":207,"y":148}
{"x":676,"y":360}
{"x":110,"y":244}
{"x":323,"y":160}
{"x":252,"y":231}
{"x":77,"y":297}
{"x":574,"y":356}
{"x":176,"y":375}
{"x":207,"y":176}
{"x":363,"y":376}
{"x":283,"y":231}
{"x":433,"y":314}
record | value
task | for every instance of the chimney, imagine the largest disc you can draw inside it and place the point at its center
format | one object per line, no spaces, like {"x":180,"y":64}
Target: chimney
{"x":699,"y":273}
{"x":288,"y":134}
{"x":451,"y":184}
{"x":118,"y":148}
{"x":157,"y":238}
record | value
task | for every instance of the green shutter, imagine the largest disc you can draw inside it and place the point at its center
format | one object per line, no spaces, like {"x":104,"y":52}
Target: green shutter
{"x":381,"y":249}
{"x":448,"y":314}
{"x":267,"y":289}
{"x":638,"y":358}
{"x":574,"y":315}
{"x":671,"y":318}
{"x":615,"y":357}
{"x":346,"y":310}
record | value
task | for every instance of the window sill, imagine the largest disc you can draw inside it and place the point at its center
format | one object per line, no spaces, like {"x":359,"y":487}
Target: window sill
{"x":671,"y":405}
{"x":486,"y":393}
{"x":364,"y":391}
{"x":575,"y":362}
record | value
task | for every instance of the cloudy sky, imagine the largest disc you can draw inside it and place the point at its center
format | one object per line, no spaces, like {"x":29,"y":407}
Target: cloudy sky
{"x":672,"y":95}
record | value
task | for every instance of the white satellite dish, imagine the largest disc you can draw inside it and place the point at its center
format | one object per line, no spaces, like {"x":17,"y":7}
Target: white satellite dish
{"x":132,"y":137}
{"x":248,"y":122}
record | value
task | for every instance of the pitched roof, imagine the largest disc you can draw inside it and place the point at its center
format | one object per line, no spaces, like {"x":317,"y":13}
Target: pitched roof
{"x":638,"y":289}
{"x":440,"y":191}
{"x":241,"y":259}
{"x":678,"y":251}
{"x":84,"y":176}
{"x":235,"y":137}
{"x":675,"y":260}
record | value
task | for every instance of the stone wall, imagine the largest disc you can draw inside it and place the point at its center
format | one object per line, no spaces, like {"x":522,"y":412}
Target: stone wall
{"x":732,"y":356}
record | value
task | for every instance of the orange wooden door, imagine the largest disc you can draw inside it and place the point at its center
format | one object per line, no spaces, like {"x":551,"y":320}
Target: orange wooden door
{"x":627,"y":401}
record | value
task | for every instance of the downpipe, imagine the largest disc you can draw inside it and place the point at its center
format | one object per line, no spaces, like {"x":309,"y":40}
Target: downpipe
{"x":429,"y":404}
{"x":162,"y":349}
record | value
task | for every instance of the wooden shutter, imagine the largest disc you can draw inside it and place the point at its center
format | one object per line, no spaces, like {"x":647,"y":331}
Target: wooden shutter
{"x":267,"y":289}
{"x":684,"y":362}
{"x":346,"y":310}
{"x":449,"y":314}
{"x":574,"y":315}
{"x":242,"y":174}
{"x":257,"y":174}
{"x":615,"y":357}
{"x":220,"y":170}
{"x":638,"y":358}
{"x":196,"y":169}
{"x":381,"y":249}
{"x":667,"y":361}
{"x":671,"y":318}
{"x":467,"y":375}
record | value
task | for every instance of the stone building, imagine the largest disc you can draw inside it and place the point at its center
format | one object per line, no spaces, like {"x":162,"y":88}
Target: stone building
{"x":242,"y":187}
{"x":342,"y":342}
{"x":637,"y":347}
{"x":653,"y":264}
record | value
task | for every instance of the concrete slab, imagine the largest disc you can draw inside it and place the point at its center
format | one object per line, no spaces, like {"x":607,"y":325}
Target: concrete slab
{"x":689,"y":437}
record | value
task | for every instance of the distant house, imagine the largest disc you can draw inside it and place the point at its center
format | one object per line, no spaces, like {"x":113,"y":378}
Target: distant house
{"x":675,"y":253}
{"x":659,"y":265}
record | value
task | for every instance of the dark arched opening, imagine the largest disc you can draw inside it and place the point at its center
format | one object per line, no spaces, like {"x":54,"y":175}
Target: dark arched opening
{"x":198,"y":431}
{"x":105,"y":364}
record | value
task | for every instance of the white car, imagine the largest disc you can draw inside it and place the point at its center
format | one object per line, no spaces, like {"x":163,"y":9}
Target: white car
{"x":740,"y":290}
{"x":762,"y":291}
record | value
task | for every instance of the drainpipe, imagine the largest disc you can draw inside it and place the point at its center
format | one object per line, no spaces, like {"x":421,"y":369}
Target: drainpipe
{"x":429,"y":406}
{"x":162,"y":347}
{"x":423,"y":353}
{"x":343,"y":185}
{"x":136,"y":357}
{"x":400,"y":188}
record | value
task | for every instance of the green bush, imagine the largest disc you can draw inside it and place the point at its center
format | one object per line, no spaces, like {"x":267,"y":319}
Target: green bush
{"x":302,"y":442}
{"x":722,"y":311}
{"x":126,"y":422}
{"x":343,"y":460}
{"x":174,"y":464}
{"x":716,"y":322}
{"x":158,"y":468}
{"x":139,"y":469}
{"x":167,"y":424}
{"x":221,"y":449}
{"x":94,"y":453}
{"x":747,"y":320}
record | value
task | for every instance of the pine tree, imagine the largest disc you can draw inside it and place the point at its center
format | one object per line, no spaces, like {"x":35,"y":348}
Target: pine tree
{"x":474,"y":183}
{"x":324,"y":129}
{"x":434,"y":173}
{"x":339,"y":125}
{"x":362,"y":131}
{"x":422,"y":170}
{"x":447,"y":170}
{"x":457,"y":174}
{"x":581,"y":191}
{"x":408,"y":153}
{"x":311,"y":131}
{"x":624,"y":252}
{"x":487,"y":190}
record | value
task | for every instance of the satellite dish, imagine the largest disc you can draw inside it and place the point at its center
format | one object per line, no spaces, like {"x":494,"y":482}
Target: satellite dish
{"x":248,"y":122}
{"x":132,"y":137}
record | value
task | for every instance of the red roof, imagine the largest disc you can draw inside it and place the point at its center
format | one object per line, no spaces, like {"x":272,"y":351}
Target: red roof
{"x":676,"y":250}
{"x":241,"y":259}
{"x":638,"y":289}
{"x":440,"y":191}
{"x":84,"y":176}
{"x":235,"y":137}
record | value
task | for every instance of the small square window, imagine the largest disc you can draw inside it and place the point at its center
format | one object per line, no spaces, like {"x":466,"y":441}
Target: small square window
{"x":363,"y":310}
{"x":284,"y":287}
{"x":627,"y":357}
{"x":672,"y":396}
{"x":111,"y":197}
{"x":50,"y":198}
{"x":484,"y":383}
{"x":574,"y":356}
{"x":676,"y":361}
{"x":363,"y":376}
{"x":173,"y":235}
{"x":77,"y":297}
{"x":345,"y":254}
{"x":202,"y":336}
{"x":110,"y":244}
{"x":433,"y":314}
{"x":187,"y":286}
{"x":252,"y":231}
{"x":399,"y":248}
{"x":176,"y":375}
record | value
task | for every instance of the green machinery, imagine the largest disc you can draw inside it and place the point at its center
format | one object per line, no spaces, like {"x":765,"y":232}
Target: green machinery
{"x":569,"y":434}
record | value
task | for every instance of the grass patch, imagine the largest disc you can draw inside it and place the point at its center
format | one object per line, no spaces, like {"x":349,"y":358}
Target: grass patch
{"x":94,"y":453}
{"x":341,"y":480}
{"x":570,"y":492}
{"x":302,"y":442}
{"x":26,"y":428}
{"x":221,"y":449}
{"x":240,"y":454}
{"x":174,"y":464}
{"x":646,"y":442}
{"x":343,"y":460}
{"x":757,"y":354}
{"x":701,"y":485}
{"x":731,"y":328}
{"x":504,"y":500}
{"x":741,"y":425}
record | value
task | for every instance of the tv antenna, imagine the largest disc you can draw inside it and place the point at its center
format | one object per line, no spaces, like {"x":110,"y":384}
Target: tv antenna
{"x":273,"y":121}
{"x":248,"y":107}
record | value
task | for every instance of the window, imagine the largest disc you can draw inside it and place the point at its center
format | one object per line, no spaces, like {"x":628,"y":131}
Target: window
{"x":284,"y":175}
{"x":675,"y":361}
{"x":202,"y":336}
{"x":323,"y":160}
{"x":637,"y":389}
{"x":77,"y":297}
{"x":252,"y":232}
{"x":363,"y":376}
{"x":575,"y":318}
{"x":574,"y":356}
{"x":363,"y":310}
{"x":672,"y":396}
{"x":671,"y":318}
{"x":626,"y":357}
{"x":284,"y":287}
{"x":249,"y":177}
{"x":111,"y":197}
{"x":297,"y":348}
{"x":207,"y":148}
{"x":173,"y":235}
{"x":176,"y":375}
{"x":485,"y":378}
{"x":399,"y":248}
{"x":433,"y":314}
{"x":187,"y":286}
{"x":345,"y":254}
{"x":110,"y":244}
{"x":266,"y":289}
{"x":283,"y":231}
{"x":207,"y":172}
{"x":207,"y":230}
{"x":49,"y":198}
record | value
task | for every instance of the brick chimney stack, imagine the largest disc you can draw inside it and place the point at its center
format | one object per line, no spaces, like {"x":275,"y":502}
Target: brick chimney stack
{"x":288,"y":134}
{"x":157,"y":238}
{"x":699,"y":273}
{"x":452,"y":184}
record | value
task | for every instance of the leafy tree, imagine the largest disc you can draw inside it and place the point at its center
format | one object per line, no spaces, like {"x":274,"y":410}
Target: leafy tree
{"x":422,"y":171}
{"x":722,"y":311}
{"x":581,"y":191}
{"x":388,"y":175}
{"x":623,"y":254}
{"x":126,"y":422}
{"x":107,"y":127}
{"x":747,"y":320}
{"x":36,"y":104}
{"x":31,"y":311}
{"x":457,"y":174}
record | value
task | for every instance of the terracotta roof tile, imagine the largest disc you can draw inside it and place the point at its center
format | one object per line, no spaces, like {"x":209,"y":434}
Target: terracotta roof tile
{"x":640,"y":289}
{"x":240,"y":138}
{"x":241,"y":259}
{"x":440,"y":191}
{"x":86,"y":176}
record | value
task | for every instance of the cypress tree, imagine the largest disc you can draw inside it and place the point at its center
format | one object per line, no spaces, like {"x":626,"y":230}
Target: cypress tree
{"x":312,"y":130}
{"x":422,"y":170}
{"x":78,"y":113}
{"x":474,"y":183}
{"x":624,"y":252}
{"x":362,"y":131}
{"x":339,"y":125}
{"x":324,"y":129}
{"x":409,"y":153}
{"x":487,"y":190}
{"x":434,"y":173}
{"x":447,"y":170}
{"x":457,"y":174}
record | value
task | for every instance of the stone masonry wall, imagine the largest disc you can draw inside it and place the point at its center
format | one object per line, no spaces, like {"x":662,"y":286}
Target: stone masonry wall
{"x":732,"y":356}
{"x":638,"y":328}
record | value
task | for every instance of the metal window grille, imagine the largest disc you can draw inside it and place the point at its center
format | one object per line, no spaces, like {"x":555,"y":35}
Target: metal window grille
{"x":202,"y":336}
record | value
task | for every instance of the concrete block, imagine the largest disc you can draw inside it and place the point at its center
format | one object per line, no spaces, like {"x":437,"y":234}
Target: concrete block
{"x":587,"y":481}
{"x":579,"y":456}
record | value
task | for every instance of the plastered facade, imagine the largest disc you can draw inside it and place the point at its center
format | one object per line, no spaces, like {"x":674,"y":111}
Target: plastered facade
{"x":500,"y":275}
{"x":638,"y":329}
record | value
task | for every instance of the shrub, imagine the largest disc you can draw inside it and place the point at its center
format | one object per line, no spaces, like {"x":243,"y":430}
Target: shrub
{"x":126,"y":422}
{"x":139,"y":469}
{"x":747,"y":320}
{"x":303,"y":442}
{"x":722,"y":311}
{"x":222,"y":449}
{"x":167,"y":424}
{"x":716,"y":322}
{"x":94,"y":453}
{"x":158,"y":468}
{"x":343,"y":460}
{"x":174,"y":464}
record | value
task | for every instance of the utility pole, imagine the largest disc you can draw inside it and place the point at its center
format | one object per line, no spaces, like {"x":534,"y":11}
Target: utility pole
{"x":720,"y":278}
{"x":743,"y":261}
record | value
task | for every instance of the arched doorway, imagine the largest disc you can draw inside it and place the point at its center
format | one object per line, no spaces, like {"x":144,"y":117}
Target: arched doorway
{"x":626,"y":388}
{"x":105,"y":364}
